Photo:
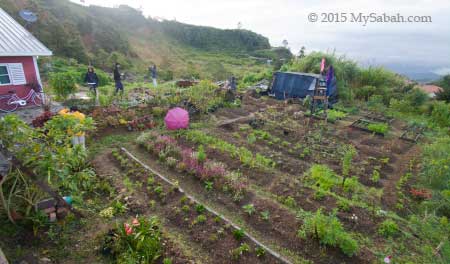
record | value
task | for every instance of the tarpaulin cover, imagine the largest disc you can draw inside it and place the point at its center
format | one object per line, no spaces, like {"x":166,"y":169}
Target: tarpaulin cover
{"x":177,"y":118}
{"x":298,"y":85}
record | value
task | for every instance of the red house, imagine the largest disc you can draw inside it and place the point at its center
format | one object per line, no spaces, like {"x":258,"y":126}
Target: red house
{"x":19,"y":51}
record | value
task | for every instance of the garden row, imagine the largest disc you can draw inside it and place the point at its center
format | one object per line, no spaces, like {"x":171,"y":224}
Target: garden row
{"x":267,"y":217}
{"x":223,"y":242}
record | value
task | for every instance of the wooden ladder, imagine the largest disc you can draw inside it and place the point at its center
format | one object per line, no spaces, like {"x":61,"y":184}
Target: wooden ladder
{"x":320,"y":96}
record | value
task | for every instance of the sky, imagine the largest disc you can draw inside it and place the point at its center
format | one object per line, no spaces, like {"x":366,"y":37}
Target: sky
{"x":403,"y":47}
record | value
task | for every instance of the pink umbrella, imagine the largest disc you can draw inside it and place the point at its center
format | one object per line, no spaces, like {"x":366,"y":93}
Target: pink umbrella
{"x":177,"y":118}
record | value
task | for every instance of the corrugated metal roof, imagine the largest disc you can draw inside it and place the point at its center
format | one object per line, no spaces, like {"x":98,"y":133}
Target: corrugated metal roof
{"x":15,"y":40}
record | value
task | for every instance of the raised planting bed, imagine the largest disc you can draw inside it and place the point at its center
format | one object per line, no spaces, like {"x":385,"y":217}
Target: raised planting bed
{"x":412,"y":134}
{"x":379,"y":118}
{"x":371,"y":126}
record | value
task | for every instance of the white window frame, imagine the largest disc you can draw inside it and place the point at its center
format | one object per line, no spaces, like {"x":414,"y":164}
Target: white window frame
{"x":9,"y":75}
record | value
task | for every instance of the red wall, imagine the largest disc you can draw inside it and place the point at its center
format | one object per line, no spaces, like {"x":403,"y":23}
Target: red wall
{"x":30,"y":75}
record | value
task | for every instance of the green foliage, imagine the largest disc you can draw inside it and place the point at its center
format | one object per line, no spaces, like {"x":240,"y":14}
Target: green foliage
{"x":249,"y":209}
{"x":265,"y":215}
{"x":201,"y":219}
{"x":329,"y":231}
{"x":379,"y":128}
{"x":49,"y":151}
{"x":388,"y":228}
{"x":213,"y":39}
{"x":205,"y":96}
{"x":201,"y":155}
{"x":343,"y":205}
{"x":260,"y":252}
{"x":349,"y":153}
{"x":245,"y":155}
{"x":138,"y":243}
{"x":334,"y":115}
{"x":238,"y":234}
{"x":323,"y":177}
{"x":200,"y":208}
{"x":375,"y":176}
{"x":63,"y":84}
{"x":290,"y":202}
{"x":435,"y":175}
{"x":444,"y":82}
{"x":241,"y":250}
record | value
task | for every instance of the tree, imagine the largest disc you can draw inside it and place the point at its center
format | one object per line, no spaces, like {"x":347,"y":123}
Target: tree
{"x":301,"y":54}
{"x":445,"y":84}
{"x":285,"y":43}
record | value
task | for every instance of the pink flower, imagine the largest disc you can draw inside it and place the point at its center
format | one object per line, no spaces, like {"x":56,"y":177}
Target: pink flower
{"x":135,"y":222}
{"x":128,"y":229}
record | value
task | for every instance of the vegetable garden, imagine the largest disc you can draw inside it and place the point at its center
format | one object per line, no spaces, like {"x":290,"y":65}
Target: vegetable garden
{"x":282,"y":187}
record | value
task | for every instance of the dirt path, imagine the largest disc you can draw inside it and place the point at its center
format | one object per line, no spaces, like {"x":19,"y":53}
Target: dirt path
{"x":401,"y":167}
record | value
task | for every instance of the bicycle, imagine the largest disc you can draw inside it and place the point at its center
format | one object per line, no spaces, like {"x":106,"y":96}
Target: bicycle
{"x":11,"y":101}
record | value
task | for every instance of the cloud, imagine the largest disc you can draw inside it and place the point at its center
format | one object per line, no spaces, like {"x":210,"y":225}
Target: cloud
{"x":419,"y":45}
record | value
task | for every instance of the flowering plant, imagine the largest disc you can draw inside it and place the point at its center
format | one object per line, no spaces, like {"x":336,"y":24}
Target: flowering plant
{"x":137,"y":242}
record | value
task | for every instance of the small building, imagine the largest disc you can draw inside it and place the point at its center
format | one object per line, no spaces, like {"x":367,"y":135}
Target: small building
{"x":19,"y":51}
{"x":287,"y":85}
{"x":430,"y":89}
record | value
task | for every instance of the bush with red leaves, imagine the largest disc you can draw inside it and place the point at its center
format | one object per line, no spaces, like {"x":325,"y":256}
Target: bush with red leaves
{"x":40,"y":120}
{"x":420,"y":194}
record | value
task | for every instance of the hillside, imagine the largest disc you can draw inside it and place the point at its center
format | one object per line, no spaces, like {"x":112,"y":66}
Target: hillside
{"x":104,"y":35}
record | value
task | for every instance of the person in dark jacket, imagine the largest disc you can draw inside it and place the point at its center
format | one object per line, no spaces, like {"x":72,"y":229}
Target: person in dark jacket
{"x":233,"y":84}
{"x":91,"y":79}
{"x":118,"y":79}
{"x":154,"y":75}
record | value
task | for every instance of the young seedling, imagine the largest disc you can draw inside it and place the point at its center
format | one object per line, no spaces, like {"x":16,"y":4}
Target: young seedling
{"x":265,"y":215}
{"x":249,"y":209}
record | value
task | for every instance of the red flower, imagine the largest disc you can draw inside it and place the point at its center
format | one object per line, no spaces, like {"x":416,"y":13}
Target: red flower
{"x":128,"y":229}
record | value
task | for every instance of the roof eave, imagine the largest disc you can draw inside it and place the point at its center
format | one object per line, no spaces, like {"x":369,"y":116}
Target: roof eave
{"x":26,"y":54}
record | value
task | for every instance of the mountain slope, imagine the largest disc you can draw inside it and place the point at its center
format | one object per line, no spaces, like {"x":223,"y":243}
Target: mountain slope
{"x":103,"y":36}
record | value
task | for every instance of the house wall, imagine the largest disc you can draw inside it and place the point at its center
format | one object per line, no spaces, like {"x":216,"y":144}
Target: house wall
{"x":30,"y":75}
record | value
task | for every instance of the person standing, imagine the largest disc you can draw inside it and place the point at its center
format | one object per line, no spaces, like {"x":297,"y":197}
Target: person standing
{"x":233,"y":84}
{"x":91,"y":79}
{"x":118,"y":79}
{"x":154,"y":75}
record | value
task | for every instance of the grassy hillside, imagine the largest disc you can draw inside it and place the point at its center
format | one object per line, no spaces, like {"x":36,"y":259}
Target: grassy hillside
{"x":103,"y":36}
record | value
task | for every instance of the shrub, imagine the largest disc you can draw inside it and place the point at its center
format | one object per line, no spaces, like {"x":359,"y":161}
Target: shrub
{"x":388,"y":228}
{"x":63,"y":84}
{"x":323,"y":177}
{"x":329,"y":231}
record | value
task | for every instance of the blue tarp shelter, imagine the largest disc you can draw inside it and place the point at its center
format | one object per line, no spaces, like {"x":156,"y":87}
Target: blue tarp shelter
{"x":298,"y":85}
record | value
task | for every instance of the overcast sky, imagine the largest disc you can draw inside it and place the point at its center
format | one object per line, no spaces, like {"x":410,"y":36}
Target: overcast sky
{"x":405,"y":47}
